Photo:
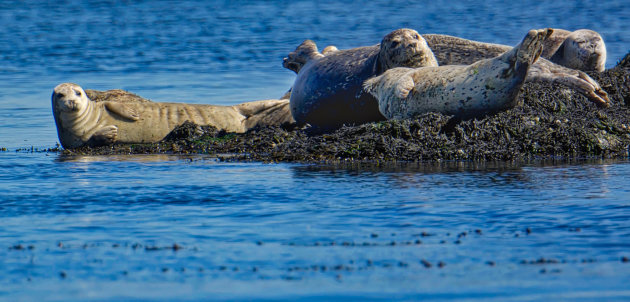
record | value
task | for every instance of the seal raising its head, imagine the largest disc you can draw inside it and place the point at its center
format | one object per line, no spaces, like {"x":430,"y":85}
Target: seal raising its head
{"x":327,"y":90}
{"x":465,"y":91}
{"x":81,"y":121}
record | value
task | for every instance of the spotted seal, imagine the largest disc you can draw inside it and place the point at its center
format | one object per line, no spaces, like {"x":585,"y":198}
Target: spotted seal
{"x":326,"y":91}
{"x":582,"y":49}
{"x":465,"y":91}
{"x":450,"y":50}
{"x":81,"y":121}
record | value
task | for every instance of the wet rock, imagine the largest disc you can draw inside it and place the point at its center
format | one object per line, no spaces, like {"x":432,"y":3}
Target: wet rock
{"x":425,"y":263}
{"x":17,"y":247}
{"x":541,"y":260}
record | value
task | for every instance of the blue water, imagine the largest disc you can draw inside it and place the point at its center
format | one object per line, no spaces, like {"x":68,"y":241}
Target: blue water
{"x":194,"y":228}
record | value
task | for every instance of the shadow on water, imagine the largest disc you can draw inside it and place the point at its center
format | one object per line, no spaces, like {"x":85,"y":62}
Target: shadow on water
{"x":450,"y":166}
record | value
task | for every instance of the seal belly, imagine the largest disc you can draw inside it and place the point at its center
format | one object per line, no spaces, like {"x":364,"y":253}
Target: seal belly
{"x":158,"y":119}
{"x":326,"y":92}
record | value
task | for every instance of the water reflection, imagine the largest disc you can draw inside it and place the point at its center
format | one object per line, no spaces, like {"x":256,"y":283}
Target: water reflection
{"x":532,"y":175}
{"x":135,"y":158}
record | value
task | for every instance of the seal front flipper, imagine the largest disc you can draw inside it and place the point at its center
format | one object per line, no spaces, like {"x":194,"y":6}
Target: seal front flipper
{"x":123,"y":110}
{"x":405,"y":85}
{"x":104,"y":136}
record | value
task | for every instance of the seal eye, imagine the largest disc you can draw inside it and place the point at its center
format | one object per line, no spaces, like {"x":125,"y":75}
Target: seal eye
{"x":78,"y":93}
{"x":395,"y":43}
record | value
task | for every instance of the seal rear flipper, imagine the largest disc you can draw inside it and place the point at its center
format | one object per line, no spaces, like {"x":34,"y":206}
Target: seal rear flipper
{"x":123,"y":110}
{"x":579,"y":81}
{"x":287,"y":95}
{"x":531,"y":48}
{"x":104,"y":136}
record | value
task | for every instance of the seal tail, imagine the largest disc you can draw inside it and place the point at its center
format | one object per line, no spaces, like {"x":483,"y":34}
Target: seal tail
{"x":301,"y":55}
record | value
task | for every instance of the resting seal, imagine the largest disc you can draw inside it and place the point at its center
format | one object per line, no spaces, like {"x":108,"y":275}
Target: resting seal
{"x":81,"y":121}
{"x":483,"y":87}
{"x":326,"y":91}
{"x":450,"y":50}
{"x":582,"y":49}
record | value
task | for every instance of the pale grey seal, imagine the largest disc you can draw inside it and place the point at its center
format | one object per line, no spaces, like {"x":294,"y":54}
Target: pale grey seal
{"x":81,"y":121}
{"x":465,"y":91}
{"x":450,"y":50}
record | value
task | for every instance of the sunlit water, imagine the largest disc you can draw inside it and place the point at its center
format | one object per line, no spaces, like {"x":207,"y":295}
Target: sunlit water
{"x":190,"y":228}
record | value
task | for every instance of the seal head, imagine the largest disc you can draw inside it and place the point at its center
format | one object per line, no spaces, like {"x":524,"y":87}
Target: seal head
{"x":404,"y":48}
{"x":68,"y":97}
{"x":584,"y":50}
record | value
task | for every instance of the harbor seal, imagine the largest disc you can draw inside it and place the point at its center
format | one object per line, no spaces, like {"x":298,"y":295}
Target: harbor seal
{"x":326,"y":91}
{"x":465,"y":91}
{"x":81,"y":121}
{"x":582,"y":49}
{"x":450,"y":50}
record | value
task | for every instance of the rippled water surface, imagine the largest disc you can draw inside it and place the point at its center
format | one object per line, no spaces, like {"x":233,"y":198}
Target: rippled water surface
{"x":195,"y":228}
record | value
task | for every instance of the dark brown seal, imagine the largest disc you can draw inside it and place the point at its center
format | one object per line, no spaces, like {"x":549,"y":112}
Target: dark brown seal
{"x":327,"y":92}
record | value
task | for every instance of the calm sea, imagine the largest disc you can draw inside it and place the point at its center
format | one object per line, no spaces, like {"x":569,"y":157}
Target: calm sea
{"x":193,"y":228}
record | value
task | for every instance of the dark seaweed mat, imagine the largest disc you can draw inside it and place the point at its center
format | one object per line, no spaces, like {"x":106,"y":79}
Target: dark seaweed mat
{"x":549,"y":122}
